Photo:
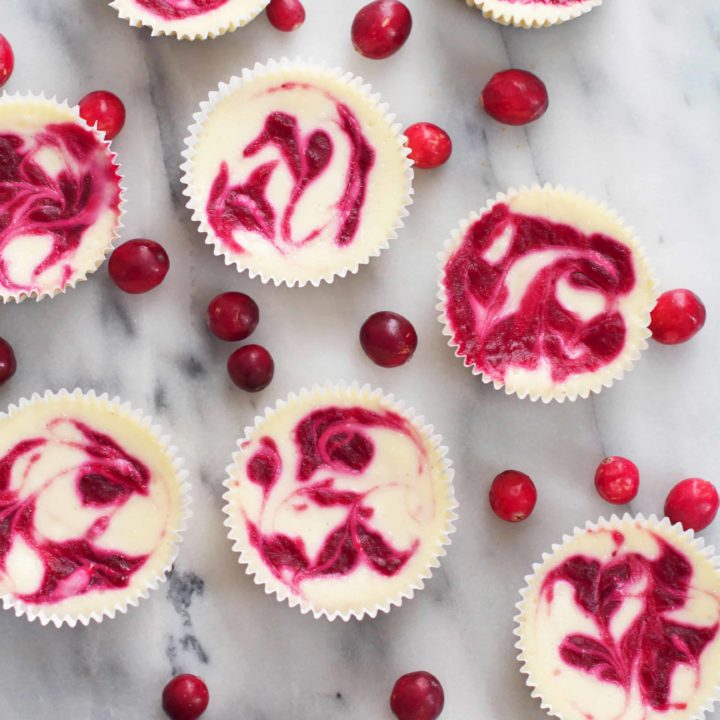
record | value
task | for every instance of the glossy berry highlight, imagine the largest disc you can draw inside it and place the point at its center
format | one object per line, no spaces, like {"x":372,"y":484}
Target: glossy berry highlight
{"x":232,"y":316}
{"x":677,"y":317}
{"x":104,"y":109}
{"x":515,"y":97}
{"x":417,"y":696}
{"x":286,"y":15}
{"x":7,"y":361}
{"x":138,"y":266}
{"x":388,"y":339}
{"x":7,"y":60}
{"x":185,"y":697}
{"x":381,"y":28}
{"x":251,"y":368}
{"x":693,"y":503}
{"x":513,"y":496}
{"x":430,"y":146}
{"x":617,"y":480}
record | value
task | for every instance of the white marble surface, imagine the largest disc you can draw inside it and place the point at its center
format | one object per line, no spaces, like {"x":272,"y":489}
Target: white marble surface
{"x":633,"y":119}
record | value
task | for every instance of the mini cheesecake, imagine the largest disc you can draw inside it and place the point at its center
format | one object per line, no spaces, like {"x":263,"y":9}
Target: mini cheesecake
{"x":533,"y":13}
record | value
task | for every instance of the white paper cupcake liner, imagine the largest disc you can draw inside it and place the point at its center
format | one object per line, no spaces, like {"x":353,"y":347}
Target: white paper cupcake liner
{"x":227,"y":18}
{"x":156,"y":569}
{"x":686,"y":540}
{"x":580,"y":385}
{"x":280,"y":67}
{"x":248,"y":556}
{"x":74,"y":115}
{"x":531,"y":15}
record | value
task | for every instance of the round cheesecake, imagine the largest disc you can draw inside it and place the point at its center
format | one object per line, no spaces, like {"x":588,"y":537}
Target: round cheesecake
{"x":340,"y":502}
{"x":91,"y":501}
{"x":546,"y":294}
{"x":189,"y":19}
{"x":295,"y":173}
{"x":621,"y":621}
{"x":533,"y":13}
{"x":60,"y":198}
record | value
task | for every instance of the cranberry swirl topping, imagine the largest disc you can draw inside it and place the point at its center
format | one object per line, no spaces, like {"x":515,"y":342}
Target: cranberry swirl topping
{"x":499,"y":326}
{"x":57,"y":207}
{"x":104,"y":476}
{"x":180,"y":9}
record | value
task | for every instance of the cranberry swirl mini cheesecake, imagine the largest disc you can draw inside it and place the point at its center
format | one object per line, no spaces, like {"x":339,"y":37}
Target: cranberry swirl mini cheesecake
{"x":92,"y":504}
{"x":546,"y":294}
{"x":622,"y":622}
{"x":341,"y":502}
{"x":189,"y":19}
{"x":60,"y":197}
{"x":533,"y":13}
{"x":296,"y":173}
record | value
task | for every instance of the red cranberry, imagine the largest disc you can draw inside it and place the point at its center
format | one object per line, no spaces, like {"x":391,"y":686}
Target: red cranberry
{"x":430,"y":146}
{"x":138,"y":265}
{"x":7,"y":361}
{"x":417,"y":696}
{"x":515,"y":97}
{"x":617,"y":480}
{"x":286,"y":15}
{"x":7,"y":60}
{"x":381,"y":28}
{"x":512,"y":496}
{"x":693,"y":503}
{"x":232,"y":316}
{"x":251,"y":368}
{"x":185,"y":697}
{"x":388,"y":339}
{"x":104,"y":109}
{"x":678,"y":316}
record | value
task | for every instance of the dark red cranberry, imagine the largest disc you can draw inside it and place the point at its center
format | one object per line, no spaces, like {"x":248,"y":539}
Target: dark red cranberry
{"x":7,"y":361}
{"x":515,"y":97}
{"x":251,"y":368}
{"x":104,"y":109}
{"x":512,"y":496}
{"x":678,"y":316}
{"x":232,"y":316}
{"x":417,"y":696}
{"x":430,"y":146}
{"x":381,"y":28}
{"x":388,"y":339}
{"x":693,"y":503}
{"x":138,"y":265}
{"x":286,"y":15}
{"x":617,"y":480}
{"x":185,"y":697}
{"x":7,"y":60}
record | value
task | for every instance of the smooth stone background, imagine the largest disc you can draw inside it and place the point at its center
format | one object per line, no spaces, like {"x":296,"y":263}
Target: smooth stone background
{"x":633,"y":120}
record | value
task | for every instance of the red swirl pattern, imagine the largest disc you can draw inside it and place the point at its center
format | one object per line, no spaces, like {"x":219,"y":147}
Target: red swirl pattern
{"x":106,"y":480}
{"x":62,"y":207}
{"x":653,"y":645}
{"x":180,"y":9}
{"x":541,"y":329}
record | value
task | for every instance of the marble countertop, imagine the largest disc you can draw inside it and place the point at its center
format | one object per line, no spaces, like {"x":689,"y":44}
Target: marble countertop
{"x":633,"y":120}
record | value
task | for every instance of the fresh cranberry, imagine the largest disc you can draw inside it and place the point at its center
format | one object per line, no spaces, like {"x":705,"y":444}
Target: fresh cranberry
{"x":417,"y":696}
{"x":381,"y":28}
{"x":7,"y":361}
{"x":678,"y":316}
{"x":7,"y":60}
{"x":104,"y":109}
{"x":232,"y":316}
{"x":138,"y":265}
{"x":286,"y":15}
{"x":251,"y":368}
{"x":515,"y":97}
{"x":512,"y":496}
{"x":185,"y":697}
{"x":388,"y":339}
{"x":693,"y":503}
{"x":430,"y":146}
{"x":617,"y":480}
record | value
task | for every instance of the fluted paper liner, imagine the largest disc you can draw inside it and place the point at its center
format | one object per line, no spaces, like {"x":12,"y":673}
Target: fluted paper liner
{"x":154,"y":572}
{"x":580,"y":384}
{"x":291,"y":69}
{"x":531,"y":15}
{"x":441,"y":469}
